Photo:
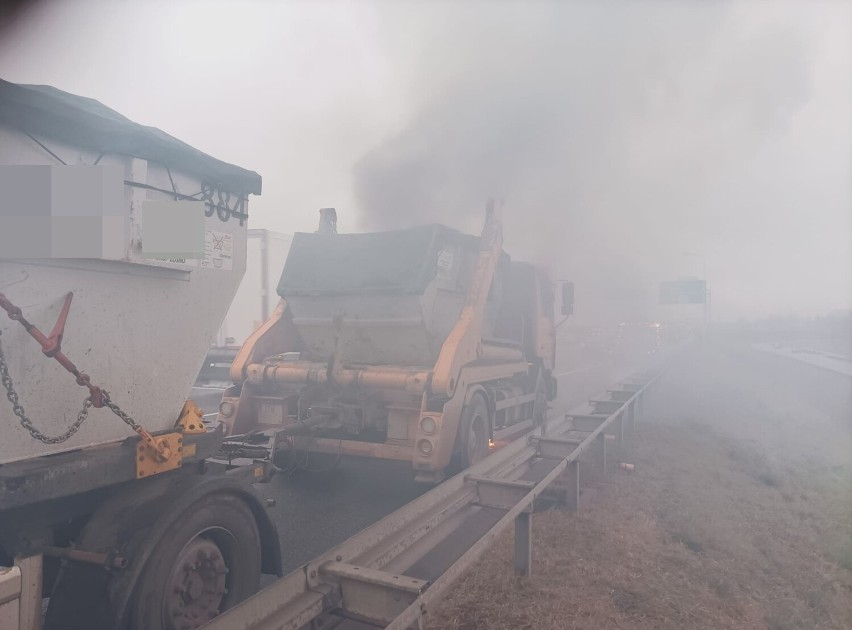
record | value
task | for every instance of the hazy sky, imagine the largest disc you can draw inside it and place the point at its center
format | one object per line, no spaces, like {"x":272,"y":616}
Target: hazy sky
{"x":620,"y":134}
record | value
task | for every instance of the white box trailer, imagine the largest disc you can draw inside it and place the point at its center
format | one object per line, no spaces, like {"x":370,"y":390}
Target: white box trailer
{"x":128,"y":499}
{"x":129,"y":313}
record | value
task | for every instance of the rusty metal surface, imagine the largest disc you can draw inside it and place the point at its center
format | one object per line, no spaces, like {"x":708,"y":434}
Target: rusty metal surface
{"x":149,"y":462}
{"x":317,"y":373}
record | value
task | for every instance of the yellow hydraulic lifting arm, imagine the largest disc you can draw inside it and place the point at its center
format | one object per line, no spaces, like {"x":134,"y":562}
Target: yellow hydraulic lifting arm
{"x":464,"y":343}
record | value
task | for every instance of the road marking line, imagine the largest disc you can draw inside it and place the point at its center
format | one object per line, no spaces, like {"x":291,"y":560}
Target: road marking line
{"x":585,"y":369}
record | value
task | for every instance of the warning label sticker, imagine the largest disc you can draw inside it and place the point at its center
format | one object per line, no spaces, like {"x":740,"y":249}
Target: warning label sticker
{"x":190,"y":262}
{"x":218,"y":250}
{"x":445,"y":259}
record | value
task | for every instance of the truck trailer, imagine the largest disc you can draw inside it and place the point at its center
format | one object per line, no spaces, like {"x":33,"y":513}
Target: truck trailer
{"x":108,"y":504}
{"x":422,"y":345}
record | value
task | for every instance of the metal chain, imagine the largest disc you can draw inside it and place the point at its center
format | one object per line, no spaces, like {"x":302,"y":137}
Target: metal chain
{"x":18,"y":410}
{"x":121,"y":414}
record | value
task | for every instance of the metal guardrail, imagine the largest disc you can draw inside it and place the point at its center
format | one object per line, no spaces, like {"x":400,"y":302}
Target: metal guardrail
{"x":390,"y":574}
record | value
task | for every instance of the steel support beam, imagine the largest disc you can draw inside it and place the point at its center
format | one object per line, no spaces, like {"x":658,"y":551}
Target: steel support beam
{"x":586,"y":422}
{"x":621,"y":395}
{"x":619,"y":428}
{"x":631,"y":419}
{"x":606,"y":406}
{"x":555,"y":448}
{"x":630,"y":386}
{"x":502,"y":494}
{"x":572,"y":492}
{"x":372,"y":594}
{"x":523,"y":544}
{"x":600,"y":453}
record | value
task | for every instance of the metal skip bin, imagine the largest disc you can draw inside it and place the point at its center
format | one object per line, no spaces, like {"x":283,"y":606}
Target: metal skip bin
{"x":385,"y":298}
{"x":138,"y":326}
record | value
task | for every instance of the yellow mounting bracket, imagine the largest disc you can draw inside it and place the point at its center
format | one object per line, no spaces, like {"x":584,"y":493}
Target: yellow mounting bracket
{"x":149,"y":462}
{"x":191,"y":419}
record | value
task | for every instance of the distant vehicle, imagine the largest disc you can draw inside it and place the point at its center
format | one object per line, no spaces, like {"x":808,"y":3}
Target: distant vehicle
{"x":640,"y":337}
{"x":216,"y":371}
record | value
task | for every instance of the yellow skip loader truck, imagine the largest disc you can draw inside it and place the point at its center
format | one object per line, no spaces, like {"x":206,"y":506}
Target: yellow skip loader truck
{"x":422,"y":345}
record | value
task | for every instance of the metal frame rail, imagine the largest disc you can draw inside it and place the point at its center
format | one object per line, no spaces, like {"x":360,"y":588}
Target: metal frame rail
{"x":390,"y":574}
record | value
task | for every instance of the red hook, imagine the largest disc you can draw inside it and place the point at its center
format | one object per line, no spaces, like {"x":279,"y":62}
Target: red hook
{"x":53,"y":343}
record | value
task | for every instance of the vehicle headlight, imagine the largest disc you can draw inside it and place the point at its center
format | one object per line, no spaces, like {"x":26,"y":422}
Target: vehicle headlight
{"x":227,"y":408}
{"x":424,"y":446}
{"x":428,"y":425}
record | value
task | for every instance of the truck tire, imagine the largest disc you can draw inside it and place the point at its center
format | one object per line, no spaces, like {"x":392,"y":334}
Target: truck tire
{"x":474,"y":431}
{"x":149,"y":523}
{"x":210,"y":561}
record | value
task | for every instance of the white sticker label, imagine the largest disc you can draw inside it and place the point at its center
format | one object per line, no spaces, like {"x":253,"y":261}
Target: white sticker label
{"x":445,"y":259}
{"x":218,"y":250}
{"x":180,"y":261}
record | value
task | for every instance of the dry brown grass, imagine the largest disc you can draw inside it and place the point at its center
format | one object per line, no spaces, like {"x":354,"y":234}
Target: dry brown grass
{"x":711,"y":531}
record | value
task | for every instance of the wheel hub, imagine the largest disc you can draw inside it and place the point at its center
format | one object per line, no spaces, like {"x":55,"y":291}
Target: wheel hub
{"x":196,"y":587}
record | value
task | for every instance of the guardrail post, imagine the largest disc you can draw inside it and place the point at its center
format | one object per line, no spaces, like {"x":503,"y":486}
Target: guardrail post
{"x":631,"y":419}
{"x":640,"y":404}
{"x":619,"y":429}
{"x":523,"y":543}
{"x":601,"y":452}
{"x":572,"y":492}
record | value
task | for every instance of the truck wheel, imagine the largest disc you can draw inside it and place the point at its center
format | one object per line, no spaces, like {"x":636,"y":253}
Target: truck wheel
{"x":209,"y":562}
{"x":474,"y":431}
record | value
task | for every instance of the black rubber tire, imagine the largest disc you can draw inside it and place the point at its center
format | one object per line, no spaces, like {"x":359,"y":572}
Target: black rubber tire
{"x":222,"y":518}
{"x":474,"y":432}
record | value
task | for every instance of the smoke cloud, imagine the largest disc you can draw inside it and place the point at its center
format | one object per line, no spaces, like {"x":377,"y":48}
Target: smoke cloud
{"x":620,"y":134}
